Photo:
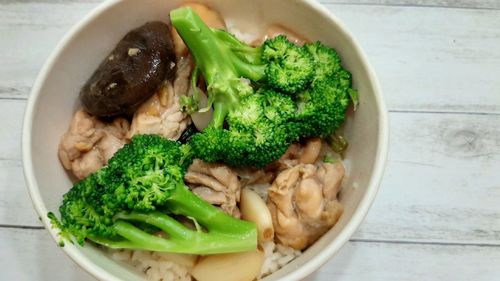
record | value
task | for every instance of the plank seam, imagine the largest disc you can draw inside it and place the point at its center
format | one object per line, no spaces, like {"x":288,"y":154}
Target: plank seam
{"x":10,"y":2}
{"x":434,"y":243}
{"x":443,"y":112}
{"x":409,"y":6}
{"x":12,"y":226}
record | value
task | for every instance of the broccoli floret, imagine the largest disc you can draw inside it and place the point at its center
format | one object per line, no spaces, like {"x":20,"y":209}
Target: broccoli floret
{"x":257,"y":133}
{"x":326,"y":61}
{"x":289,"y":75}
{"x":140,"y":191}
{"x":263,"y":97}
{"x":322,"y":106}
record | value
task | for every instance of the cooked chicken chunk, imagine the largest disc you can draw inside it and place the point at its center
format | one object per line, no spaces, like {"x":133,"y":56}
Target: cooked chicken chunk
{"x":215,"y":183}
{"x":275,"y":30}
{"x":90,"y":143}
{"x":251,"y":176}
{"x":161,"y":114}
{"x":297,"y":153}
{"x":303,"y":202}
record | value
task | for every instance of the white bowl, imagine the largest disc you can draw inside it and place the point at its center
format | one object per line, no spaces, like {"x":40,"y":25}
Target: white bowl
{"x":54,"y":97}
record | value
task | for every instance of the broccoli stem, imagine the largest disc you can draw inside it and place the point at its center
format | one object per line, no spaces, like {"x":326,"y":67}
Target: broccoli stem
{"x":180,"y":238}
{"x":184,"y":202}
{"x":174,"y":228}
{"x":224,"y":233}
{"x":221,"y":58}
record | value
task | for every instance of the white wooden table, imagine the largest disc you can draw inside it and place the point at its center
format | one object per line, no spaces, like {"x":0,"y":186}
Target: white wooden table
{"x":437,"y":216}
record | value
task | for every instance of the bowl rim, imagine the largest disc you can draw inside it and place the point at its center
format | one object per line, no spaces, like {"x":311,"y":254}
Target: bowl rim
{"x":306,"y":269}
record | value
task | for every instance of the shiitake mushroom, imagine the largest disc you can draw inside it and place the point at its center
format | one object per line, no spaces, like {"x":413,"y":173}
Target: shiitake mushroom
{"x":131,"y":73}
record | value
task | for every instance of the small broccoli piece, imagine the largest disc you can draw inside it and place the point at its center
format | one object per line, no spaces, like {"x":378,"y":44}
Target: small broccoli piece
{"x":326,"y":61}
{"x":337,"y":143}
{"x":322,"y":106}
{"x":289,"y":75}
{"x":257,"y":133}
{"x":83,"y":212}
{"x":141,"y":189}
{"x":277,"y":107}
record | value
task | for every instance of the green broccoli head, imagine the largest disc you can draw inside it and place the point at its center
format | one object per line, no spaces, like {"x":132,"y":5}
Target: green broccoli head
{"x":247,"y":114}
{"x":83,"y":212}
{"x":258,"y":132}
{"x":326,"y":61}
{"x":229,"y":146}
{"x":290,"y":68}
{"x":278,"y":108}
{"x":321,"y":109}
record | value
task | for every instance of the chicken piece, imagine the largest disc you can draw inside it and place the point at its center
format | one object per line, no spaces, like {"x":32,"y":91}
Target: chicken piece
{"x":275,"y":30}
{"x":303,"y":203}
{"x":252,"y":176}
{"x":88,"y":163}
{"x":297,"y":153}
{"x":215,"y":183}
{"x":90,"y":143}
{"x":161,"y":114}
{"x":211,"y":18}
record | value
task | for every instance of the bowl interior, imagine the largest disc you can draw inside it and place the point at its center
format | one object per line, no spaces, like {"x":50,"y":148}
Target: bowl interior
{"x":55,"y":94}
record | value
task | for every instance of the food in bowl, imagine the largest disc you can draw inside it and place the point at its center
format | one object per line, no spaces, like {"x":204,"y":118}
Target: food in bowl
{"x":265,"y":155}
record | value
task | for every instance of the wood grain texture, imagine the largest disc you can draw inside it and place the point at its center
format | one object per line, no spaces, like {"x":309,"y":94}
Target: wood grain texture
{"x":463,"y":4}
{"x":387,"y":261}
{"x":31,"y":255}
{"x":29,"y":32}
{"x":441,"y":182}
{"x":475,"y":4}
{"x":431,"y":59}
{"x":11,"y":119}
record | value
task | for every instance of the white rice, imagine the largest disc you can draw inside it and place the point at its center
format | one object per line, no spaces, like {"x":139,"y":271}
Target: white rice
{"x":167,"y":267}
{"x":277,"y":256}
{"x":155,"y":266}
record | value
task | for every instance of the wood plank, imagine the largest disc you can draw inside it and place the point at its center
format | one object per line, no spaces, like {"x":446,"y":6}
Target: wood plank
{"x":31,"y":255}
{"x":15,"y":204}
{"x":477,"y":4}
{"x":464,"y":4}
{"x":441,"y":181}
{"x":430,"y":59}
{"x":30,"y":31}
{"x":427,"y":59}
{"x":11,"y":119}
{"x":382,"y":262}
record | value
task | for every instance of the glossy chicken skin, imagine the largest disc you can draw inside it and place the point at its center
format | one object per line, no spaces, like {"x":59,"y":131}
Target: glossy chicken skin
{"x":90,"y":143}
{"x":303,"y":202}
